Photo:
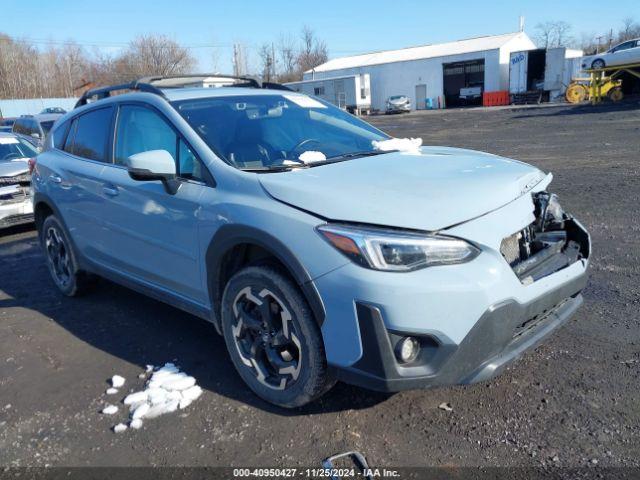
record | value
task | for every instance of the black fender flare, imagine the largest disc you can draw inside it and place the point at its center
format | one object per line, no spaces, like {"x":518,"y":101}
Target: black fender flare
{"x":232,"y":235}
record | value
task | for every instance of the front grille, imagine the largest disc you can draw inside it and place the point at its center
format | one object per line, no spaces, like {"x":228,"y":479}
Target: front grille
{"x":510,"y":248}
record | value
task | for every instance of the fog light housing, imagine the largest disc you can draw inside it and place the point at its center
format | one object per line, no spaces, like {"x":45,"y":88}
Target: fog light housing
{"x":407,"y":349}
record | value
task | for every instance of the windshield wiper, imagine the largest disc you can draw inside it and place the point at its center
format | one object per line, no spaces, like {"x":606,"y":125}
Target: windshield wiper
{"x":364,"y":153}
{"x":274,"y":168}
{"x":349,"y":156}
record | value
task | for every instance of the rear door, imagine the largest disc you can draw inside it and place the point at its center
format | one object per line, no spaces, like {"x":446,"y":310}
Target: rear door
{"x":153,"y":235}
{"x":75,"y":179}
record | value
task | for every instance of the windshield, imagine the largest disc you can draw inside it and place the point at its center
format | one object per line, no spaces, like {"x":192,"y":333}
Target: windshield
{"x":397,"y":97}
{"x":274,"y":131}
{"x":12,"y":148}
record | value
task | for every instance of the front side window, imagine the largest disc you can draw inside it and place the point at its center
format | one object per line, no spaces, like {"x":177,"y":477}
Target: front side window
{"x":91,"y":135}
{"x":140,"y":129}
{"x":624,"y":46}
{"x":258,"y":131}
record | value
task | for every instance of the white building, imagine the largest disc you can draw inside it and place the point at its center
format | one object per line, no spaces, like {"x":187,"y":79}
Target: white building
{"x":437,"y":71}
{"x":350,"y":92}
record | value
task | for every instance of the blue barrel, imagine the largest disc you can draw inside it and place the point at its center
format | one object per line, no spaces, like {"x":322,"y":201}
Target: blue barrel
{"x":428,"y":103}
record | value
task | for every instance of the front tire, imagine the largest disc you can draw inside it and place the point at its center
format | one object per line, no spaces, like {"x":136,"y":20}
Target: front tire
{"x":61,"y":258}
{"x":272,"y":337}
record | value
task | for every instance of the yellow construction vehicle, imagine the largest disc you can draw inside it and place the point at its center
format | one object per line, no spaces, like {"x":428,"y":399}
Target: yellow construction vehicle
{"x":599,"y":84}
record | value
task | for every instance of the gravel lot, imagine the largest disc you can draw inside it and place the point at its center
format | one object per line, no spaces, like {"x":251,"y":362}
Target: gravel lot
{"x":572,"y":402}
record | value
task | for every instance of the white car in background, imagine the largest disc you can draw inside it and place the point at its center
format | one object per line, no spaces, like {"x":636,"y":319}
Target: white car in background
{"x":622,"y":54}
{"x":398,"y":104}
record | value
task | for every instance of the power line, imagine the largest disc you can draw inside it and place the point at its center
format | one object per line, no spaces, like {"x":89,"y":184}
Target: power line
{"x":99,"y":44}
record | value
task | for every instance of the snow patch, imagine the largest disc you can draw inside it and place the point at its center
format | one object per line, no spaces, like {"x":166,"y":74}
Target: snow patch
{"x":109,"y":409}
{"x":167,"y":390}
{"x":407,"y":145}
{"x":117,"y":381}
{"x":121,"y":427}
{"x":135,"y":424}
{"x":112,"y":391}
{"x":311,"y":156}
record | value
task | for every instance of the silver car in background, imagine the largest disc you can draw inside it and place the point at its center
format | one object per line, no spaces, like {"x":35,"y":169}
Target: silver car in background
{"x":398,"y":104}
{"x":625,"y":53}
{"x":16,"y":206}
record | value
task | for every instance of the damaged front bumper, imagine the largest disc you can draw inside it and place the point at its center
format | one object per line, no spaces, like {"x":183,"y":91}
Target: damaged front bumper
{"x":502,"y":334}
{"x":472,"y":319}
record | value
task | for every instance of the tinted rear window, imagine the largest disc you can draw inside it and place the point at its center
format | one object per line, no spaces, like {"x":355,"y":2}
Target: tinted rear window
{"x":91,"y":135}
{"x":21,"y":126}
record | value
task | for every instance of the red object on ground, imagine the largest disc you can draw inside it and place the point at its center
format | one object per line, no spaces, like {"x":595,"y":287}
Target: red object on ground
{"x":494,"y":99}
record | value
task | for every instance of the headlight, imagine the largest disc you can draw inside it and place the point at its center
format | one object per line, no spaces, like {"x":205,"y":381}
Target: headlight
{"x":392,"y":250}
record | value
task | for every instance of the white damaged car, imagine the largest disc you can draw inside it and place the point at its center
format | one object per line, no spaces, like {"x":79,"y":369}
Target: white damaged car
{"x":16,"y":206}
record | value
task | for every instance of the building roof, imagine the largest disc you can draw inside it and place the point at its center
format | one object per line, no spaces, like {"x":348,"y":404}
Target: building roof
{"x":477,"y":44}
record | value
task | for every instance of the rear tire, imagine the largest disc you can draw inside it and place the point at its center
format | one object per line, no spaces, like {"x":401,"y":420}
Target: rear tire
{"x":272,"y":337}
{"x":597,"y":64}
{"x":61,"y":259}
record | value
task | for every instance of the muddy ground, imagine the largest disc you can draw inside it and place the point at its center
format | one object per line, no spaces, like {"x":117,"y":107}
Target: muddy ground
{"x":572,"y":402}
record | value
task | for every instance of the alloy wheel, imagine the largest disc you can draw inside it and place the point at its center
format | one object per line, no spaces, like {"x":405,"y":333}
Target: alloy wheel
{"x":58,"y":256}
{"x":266,"y":338}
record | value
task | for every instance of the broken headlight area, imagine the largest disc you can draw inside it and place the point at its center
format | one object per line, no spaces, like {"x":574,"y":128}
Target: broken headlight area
{"x":552,"y":242}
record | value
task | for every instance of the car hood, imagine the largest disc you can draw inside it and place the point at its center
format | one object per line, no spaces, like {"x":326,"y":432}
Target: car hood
{"x":11,"y":168}
{"x":431,"y":190}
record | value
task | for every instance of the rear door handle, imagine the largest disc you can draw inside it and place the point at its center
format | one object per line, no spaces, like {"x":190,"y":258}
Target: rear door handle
{"x":110,"y":190}
{"x":55,"y":178}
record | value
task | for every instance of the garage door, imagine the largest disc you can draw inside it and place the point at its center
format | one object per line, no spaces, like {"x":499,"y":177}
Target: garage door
{"x":463,"y":75}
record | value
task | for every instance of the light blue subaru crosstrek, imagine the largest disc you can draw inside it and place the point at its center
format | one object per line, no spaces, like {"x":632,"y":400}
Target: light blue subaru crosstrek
{"x":317,"y":256}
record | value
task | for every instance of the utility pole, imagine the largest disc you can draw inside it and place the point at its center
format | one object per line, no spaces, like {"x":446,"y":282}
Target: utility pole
{"x":599,"y":38}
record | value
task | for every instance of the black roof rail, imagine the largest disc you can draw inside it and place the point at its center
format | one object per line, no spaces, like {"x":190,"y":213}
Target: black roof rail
{"x":146,"y":84}
{"x":105,"y":92}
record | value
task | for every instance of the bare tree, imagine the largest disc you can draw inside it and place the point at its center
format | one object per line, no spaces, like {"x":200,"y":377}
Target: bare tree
{"x":287,"y":56}
{"x":553,"y":34}
{"x":268,"y":66}
{"x":155,"y":55}
{"x":544,"y":34}
{"x":630,"y":30}
{"x":562,"y":34}
{"x":313,"y":51}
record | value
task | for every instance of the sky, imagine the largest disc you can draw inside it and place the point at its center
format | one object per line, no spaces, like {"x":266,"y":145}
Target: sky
{"x":210,"y":28}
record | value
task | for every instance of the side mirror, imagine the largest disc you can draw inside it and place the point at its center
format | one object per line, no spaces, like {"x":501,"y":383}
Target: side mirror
{"x":154,"y":165}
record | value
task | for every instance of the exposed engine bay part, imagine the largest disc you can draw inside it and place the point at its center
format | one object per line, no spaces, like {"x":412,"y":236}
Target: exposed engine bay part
{"x":552,"y":242}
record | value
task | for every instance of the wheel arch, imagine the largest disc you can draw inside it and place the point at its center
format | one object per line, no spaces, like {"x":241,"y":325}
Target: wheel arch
{"x":236,"y":246}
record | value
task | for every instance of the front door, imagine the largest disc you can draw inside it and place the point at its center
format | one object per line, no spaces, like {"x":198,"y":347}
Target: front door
{"x":154,"y":234}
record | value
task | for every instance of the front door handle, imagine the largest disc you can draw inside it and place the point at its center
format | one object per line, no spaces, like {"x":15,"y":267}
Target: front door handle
{"x":110,"y":190}
{"x":55,"y":178}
